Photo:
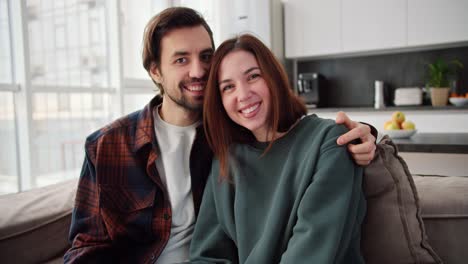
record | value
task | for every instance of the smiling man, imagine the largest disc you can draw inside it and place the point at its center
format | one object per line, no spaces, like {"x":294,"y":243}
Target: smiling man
{"x":143,"y":176}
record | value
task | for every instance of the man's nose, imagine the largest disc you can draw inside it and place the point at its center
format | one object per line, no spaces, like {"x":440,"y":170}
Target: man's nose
{"x":198,"y":69}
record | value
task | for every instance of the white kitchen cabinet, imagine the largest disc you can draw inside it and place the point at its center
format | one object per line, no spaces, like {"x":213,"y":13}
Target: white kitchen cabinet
{"x":437,"y":21}
{"x":373,"y":24}
{"x":312,"y":27}
{"x":341,"y":27}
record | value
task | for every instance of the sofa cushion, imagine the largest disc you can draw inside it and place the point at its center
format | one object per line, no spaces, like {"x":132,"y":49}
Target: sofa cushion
{"x":393,"y":230}
{"x":34,"y":224}
{"x":444,"y":202}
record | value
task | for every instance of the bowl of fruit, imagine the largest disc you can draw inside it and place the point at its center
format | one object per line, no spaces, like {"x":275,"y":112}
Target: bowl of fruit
{"x":458,"y":99}
{"x":399,"y":127}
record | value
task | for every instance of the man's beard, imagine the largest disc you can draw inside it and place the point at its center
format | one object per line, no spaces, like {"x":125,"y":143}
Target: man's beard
{"x":183,"y":101}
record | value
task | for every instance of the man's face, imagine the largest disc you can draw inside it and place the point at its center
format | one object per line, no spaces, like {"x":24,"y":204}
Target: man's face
{"x":185,"y":61}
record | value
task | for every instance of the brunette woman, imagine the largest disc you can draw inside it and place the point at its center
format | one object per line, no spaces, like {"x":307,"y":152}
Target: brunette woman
{"x":281,"y":190}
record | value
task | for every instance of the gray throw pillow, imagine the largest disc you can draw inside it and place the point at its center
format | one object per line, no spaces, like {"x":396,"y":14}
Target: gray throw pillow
{"x":393,"y":230}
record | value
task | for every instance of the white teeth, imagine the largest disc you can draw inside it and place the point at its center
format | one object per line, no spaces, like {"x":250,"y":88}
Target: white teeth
{"x":195,"y":88}
{"x":250,"y":109}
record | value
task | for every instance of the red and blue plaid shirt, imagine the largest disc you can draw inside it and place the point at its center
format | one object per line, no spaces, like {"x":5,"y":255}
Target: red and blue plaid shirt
{"x":122,"y":211}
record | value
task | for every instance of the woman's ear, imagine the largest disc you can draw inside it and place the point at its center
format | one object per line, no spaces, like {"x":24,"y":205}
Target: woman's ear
{"x":156,"y":74}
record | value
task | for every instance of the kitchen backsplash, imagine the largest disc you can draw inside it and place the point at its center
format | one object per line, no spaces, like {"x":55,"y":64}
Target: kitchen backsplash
{"x":350,"y":81}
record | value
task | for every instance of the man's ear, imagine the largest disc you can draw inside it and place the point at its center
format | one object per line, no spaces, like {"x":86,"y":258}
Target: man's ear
{"x":156,"y":74}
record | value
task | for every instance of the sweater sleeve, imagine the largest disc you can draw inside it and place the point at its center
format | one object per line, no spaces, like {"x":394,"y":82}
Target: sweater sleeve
{"x":330,"y":212}
{"x":210,"y":242}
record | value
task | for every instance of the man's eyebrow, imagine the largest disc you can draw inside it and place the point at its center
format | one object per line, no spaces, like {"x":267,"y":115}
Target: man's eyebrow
{"x":208,"y":50}
{"x":185,"y":53}
{"x":180,"y":53}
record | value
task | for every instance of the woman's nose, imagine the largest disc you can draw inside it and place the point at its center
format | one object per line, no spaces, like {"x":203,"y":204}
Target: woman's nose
{"x":244,"y":92}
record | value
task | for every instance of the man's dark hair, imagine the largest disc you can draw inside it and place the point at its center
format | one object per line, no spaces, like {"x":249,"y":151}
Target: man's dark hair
{"x":169,"y":19}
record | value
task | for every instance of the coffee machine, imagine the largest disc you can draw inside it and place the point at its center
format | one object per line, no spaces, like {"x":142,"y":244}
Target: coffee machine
{"x":309,"y":86}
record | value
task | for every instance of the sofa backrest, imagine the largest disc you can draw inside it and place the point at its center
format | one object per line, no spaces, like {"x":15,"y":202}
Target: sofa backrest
{"x":34,"y":224}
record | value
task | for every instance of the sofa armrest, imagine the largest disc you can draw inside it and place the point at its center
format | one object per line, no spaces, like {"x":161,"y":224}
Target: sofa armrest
{"x":444,"y":203}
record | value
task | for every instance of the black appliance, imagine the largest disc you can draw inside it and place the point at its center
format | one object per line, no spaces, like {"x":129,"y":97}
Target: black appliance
{"x":309,"y":86}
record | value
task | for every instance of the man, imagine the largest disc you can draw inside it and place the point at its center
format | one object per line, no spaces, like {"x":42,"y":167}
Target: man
{"x":143,"y":176}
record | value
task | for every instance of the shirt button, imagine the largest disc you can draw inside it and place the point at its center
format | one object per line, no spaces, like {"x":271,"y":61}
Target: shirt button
{"x":152,"y":256}
{"x":166,"y":216}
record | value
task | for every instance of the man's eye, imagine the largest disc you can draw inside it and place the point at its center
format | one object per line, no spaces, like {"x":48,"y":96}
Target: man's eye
{"x":206,"y":57}
{"x":180,"y":60}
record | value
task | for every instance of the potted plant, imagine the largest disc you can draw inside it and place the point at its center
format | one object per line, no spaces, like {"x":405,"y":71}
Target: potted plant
{"x":438,"y":80}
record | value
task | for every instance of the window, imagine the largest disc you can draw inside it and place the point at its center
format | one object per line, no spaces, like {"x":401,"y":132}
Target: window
{"x":137,"y":85}
{"x":5,"y":44}
{"x":59,"y":133}
{"x":68,"y":55}
{"x":68,"y":43}
{"x":76,"y":67}
{"x":8,"y":154}
{"x":8,"y":140}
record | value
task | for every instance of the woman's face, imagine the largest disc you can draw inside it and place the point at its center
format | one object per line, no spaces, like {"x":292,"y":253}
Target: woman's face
{"x":244,"y":92}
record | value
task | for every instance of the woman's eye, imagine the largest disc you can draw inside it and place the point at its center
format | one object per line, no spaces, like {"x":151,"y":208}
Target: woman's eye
{"x":227,"y":87}
{"x":254,"y":76}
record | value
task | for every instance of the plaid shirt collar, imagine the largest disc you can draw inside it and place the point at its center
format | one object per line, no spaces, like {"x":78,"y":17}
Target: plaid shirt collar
{"x":144,"y":133}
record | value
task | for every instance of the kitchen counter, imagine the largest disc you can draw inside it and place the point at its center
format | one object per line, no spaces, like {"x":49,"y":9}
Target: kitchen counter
{"x":389,"y":108}
{"x":434,"y":143}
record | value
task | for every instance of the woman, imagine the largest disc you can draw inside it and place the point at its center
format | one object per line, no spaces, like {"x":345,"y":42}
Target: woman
{"x":280,"y":189}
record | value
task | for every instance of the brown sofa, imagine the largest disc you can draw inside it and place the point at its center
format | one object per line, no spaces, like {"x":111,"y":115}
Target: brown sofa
{"x":34,"y":224}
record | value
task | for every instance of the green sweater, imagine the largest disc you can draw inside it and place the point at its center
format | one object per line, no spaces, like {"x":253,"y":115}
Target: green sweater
{"x":300,"y":203}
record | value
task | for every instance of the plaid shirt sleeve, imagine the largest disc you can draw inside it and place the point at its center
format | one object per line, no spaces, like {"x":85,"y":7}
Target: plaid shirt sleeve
{"x":88,"y":235}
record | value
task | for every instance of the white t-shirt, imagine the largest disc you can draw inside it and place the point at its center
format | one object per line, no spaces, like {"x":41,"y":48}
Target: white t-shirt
{"x":175,"y":144}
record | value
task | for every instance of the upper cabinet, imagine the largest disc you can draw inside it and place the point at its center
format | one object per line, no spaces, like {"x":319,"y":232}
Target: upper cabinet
{"x":312,"y":27}
{"x":373,"y":24}
{"x":437,"y":21}
{"x":339,"y":27}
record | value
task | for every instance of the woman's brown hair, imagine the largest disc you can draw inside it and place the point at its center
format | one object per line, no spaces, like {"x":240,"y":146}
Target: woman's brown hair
{"x":285,"y":108}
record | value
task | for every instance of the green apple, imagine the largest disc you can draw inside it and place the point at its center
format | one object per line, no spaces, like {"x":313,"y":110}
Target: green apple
{"x":398,"y":117}
{"x":393,"y":126}
{"x":408,"y":125}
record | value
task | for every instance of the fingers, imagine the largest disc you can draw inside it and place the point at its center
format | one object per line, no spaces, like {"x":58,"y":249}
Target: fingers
{"x":342,"y":118}
{"x":363,"y":153}
{"x":362,"y":161}
{"x":359,"y":132}
{"x":363,"y":148}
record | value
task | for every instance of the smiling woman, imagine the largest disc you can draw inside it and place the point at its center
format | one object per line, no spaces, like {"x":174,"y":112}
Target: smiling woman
{"x":279,"y":183}
{"x":245,"y":95}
